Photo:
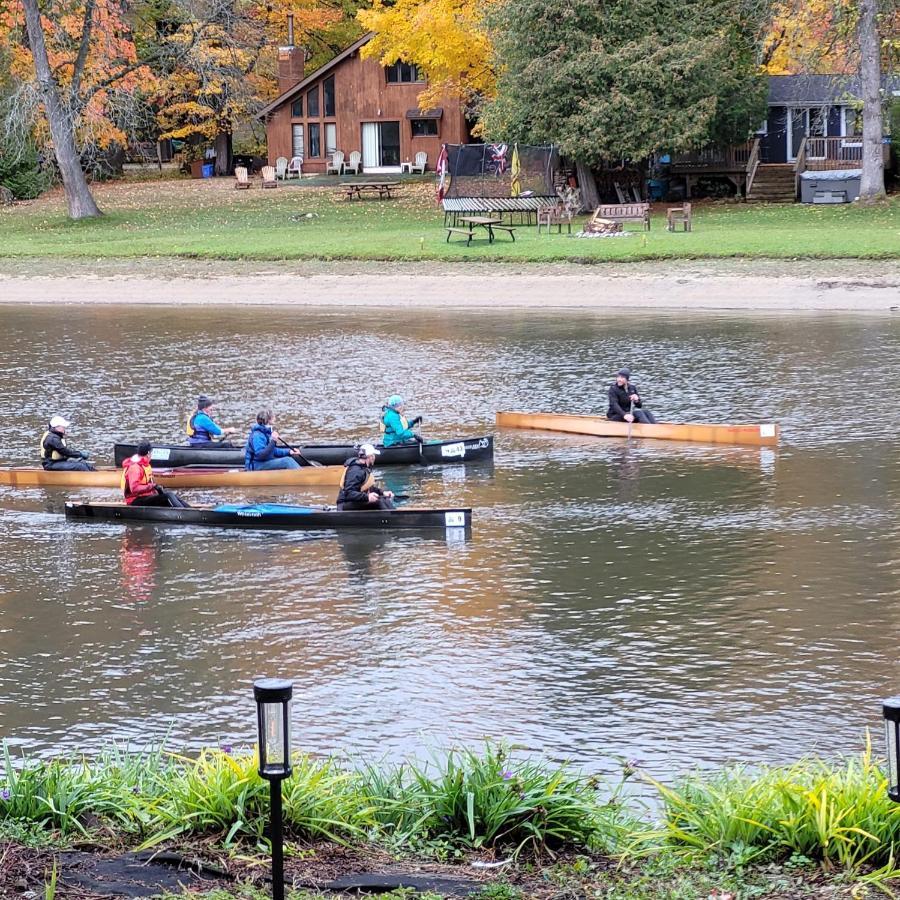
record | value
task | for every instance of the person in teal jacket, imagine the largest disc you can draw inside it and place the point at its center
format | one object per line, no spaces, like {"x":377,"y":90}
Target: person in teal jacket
{"x":397,"y":430}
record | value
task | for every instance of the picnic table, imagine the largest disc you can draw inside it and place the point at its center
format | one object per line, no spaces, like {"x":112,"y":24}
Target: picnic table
{"x":358,"y":188}
{"x":489,"y":223}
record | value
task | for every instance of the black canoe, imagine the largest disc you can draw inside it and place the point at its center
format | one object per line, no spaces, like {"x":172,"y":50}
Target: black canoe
{"x":273,"y":516}
{"x":433,"y":452}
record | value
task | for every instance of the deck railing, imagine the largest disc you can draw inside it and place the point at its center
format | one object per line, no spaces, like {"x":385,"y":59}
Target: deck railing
{"x":728,"y":158}
{"x":837,"y":153}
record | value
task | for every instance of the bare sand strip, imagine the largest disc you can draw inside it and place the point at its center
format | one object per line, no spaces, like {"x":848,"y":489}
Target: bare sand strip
{"x":770,"y":286}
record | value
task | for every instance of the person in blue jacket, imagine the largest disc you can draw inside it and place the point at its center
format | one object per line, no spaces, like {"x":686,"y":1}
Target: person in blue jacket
{"x":202,"y":429}
{"x":262,"y":451}
{"x":397,"y":430}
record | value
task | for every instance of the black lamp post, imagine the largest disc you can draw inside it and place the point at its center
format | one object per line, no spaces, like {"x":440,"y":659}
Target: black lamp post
{"x":891,"y":711}
{"x":273,"y":706}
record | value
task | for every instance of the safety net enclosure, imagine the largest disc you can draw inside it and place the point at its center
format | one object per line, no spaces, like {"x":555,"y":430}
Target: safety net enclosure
{"x":497,"y":170}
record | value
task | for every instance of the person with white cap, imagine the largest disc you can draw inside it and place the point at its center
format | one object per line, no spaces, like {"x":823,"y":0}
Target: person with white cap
{"x":395,"y":426}
{"x":358,"y":488}
{"x":55,"y":452}
{"x":625,"y":403}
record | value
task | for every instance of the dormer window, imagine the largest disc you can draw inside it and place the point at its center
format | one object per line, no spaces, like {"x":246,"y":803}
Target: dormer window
{"x":403,"y":73}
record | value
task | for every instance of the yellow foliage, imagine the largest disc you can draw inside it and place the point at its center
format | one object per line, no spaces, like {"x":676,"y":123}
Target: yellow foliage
{"x":446,"y":39}
{"x":811,"y":36}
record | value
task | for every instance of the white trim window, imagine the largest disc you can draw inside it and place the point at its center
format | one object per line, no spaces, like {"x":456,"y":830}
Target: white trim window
{"x":851,"y":125}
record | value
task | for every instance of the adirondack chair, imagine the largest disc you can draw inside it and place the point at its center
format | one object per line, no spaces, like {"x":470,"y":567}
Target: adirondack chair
{"x":620,"y":193}
{"x":354,"y":164}
{"x":420,"y":164}
{"x":268,"y":177}
{"x":295,"y":167}
{"x":281,"y":167}
{"x":337,"y":163}
{"x":240,"y":178}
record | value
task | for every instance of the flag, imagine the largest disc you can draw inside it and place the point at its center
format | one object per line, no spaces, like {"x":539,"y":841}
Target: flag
{"x":498,"y":158}
{"x":441,"y":167}
{"x":515,"y":186}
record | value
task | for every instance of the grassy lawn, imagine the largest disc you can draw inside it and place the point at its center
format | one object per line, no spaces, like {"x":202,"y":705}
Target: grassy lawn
{"x":209,"y":219}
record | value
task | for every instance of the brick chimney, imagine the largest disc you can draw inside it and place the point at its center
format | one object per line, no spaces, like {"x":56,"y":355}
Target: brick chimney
{"x":291,"y":61}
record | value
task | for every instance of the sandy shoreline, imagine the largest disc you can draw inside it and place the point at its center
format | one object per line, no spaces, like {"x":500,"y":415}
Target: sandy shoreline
{"x":749,"y":285}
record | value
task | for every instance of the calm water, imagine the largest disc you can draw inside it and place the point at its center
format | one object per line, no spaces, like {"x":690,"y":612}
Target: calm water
{"x":679,"y":604}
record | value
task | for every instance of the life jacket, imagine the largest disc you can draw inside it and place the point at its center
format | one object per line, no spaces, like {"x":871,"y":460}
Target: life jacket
{"x":200,"y":434}
{"x":146,"y":474}
{"x":53,"y":455}
{"x":366,"y":486}
{"x":404,"y":422}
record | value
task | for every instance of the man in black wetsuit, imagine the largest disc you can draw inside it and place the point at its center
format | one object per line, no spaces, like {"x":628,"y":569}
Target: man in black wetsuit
{"x":358,"y":488}
{"x":625,"y":404}
{"x":55,"y":453}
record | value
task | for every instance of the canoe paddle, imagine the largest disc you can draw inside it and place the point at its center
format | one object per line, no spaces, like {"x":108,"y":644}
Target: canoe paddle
{"x":310,"y":462}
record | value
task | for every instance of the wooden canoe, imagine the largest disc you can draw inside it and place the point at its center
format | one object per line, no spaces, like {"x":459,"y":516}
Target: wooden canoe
{"x":765,"y":435}
{"x":108,"y":477}
{"x":275,"y":516}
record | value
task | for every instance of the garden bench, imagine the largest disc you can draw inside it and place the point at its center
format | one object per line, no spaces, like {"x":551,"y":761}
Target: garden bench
{"x":625,"y":212}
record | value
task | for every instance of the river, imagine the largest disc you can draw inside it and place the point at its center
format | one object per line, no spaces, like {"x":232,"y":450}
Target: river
{"x":678,"y":604}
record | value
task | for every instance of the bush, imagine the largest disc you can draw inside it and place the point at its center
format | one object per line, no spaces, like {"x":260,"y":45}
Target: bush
{"x":22,"y":174}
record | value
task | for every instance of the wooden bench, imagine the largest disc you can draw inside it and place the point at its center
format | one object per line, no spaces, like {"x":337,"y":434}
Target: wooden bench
{"x":625,"y":212}
{"x":507,"y":228}
{"x":469,"y":234}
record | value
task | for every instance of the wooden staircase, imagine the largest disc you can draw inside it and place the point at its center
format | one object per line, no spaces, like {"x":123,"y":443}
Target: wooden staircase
{"x":773,"y":183}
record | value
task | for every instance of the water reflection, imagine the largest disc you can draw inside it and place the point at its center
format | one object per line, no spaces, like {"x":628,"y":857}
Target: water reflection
{"x":666,"y":601}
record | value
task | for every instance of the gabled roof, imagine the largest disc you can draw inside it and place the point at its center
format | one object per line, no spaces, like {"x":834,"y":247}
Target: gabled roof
{"x":821,"y":90}
{"x":290,"y":93}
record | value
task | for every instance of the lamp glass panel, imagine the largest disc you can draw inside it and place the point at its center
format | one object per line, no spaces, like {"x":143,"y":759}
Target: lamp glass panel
{"x":890,"y":732}
{"x":273,"y":723}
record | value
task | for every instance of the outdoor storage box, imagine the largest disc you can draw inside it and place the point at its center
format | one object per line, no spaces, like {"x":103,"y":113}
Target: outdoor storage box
{"x":838,"y":186}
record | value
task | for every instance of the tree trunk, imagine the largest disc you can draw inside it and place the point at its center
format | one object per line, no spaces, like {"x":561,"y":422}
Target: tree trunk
{"x":78,"y":195}
{"x":223,"y":147}
{"x":872,"y":183}
{"x":590,"y":196}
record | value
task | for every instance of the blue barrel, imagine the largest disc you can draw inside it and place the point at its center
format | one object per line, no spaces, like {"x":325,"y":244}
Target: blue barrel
{"x":208,"y":169}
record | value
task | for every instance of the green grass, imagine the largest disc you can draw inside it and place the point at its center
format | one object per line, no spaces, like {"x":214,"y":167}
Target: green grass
{"x":207,"y":220}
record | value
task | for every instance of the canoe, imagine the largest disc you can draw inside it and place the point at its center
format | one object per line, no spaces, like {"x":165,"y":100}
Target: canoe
{"x":108,"y":477}
{"x":750,"y":435}
{"x":273,"y":516}
{"x":433,"y":453}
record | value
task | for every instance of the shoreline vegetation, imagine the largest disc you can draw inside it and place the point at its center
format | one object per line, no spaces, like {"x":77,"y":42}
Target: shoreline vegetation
{"x":491,"y":824}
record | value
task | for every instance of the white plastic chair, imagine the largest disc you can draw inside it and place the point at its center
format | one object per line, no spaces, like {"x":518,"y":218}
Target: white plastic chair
{"x":354,"y":164}
{"x":281,"y":167}
{"x":295,"y":167}
{"x":421,"y":163}
{"x":337,"y":163}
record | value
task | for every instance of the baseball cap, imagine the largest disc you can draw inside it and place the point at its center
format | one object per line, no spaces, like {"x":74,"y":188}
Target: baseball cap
{"x":368,"y":450}
{"x":203,"y":401}
{"x":59,"y":422}
{"x":625,"y":373}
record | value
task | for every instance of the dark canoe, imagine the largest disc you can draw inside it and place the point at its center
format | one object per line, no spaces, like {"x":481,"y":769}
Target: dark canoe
{"x":432,"y":453}
{"x":273,"y":516}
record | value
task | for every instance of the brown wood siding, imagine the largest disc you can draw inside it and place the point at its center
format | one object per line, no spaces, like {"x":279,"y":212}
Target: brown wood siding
{"x":362,"y":94}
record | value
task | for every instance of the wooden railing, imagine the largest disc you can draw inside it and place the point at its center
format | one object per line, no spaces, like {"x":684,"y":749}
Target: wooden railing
{"x":800,"y":164}
{"x":723,"y":158}
{"x":752,"y":166}
{"x":837,"y":153}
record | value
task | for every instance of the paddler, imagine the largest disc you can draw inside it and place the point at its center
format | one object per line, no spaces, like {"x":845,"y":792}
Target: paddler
{"x":262,"y":451}
{"x":358,"y":488}
{"x":202,"y":429}
{"x":625,"y":404}
{"x":138,"y":485}
{"x":396,"y":428}
{"x":55,"y":452}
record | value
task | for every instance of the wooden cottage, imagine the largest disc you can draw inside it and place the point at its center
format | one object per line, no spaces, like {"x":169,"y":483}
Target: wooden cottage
{"x":352,"y":103}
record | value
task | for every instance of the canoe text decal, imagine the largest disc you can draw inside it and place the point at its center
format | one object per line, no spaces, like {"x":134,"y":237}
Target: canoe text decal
{"x":458,"y":449}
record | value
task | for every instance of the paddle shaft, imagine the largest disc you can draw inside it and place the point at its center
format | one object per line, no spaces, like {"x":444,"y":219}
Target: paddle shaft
{"x":296,"y":450}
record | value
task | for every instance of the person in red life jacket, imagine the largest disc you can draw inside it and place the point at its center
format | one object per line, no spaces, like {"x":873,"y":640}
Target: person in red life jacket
{"x":358,"y":488}
{"x":202,"y":429}
{"x":55,"y":452}
{"x":138,"y":485}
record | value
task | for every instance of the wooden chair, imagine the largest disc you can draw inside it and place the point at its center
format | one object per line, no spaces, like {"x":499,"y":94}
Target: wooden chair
{"x":241,"y":181}
{"x":337,"y":163}
{"x":295,"y":167}
{"x":420,"y":164}
{"x":562,"y":211}
{"x":281,"y":167}
{"x":354,"y":164}
{"x":268,"y":177}
{"x":679,"y":215}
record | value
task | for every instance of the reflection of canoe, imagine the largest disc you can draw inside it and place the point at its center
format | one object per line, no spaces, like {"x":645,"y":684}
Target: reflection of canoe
{"x":273,"y":515}
{"x":457,"y":450}
{"x":176,"y":478}
{"x":752,"y":435}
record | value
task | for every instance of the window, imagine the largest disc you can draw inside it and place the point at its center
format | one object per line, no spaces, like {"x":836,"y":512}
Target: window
{"x":297,"y":108}
{"x":312,"y":103}
{"x":852,"y":122}
{"x":330,"y":138}
{"x":297,"y":141}
{"x":315,"y":148}
{"x":403,"y":73}
{"x":328,"y":95}
{"x":424,"y":127}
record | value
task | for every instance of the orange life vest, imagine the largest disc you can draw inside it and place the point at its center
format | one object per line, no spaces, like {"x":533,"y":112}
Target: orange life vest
{"x":146,"y":474}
